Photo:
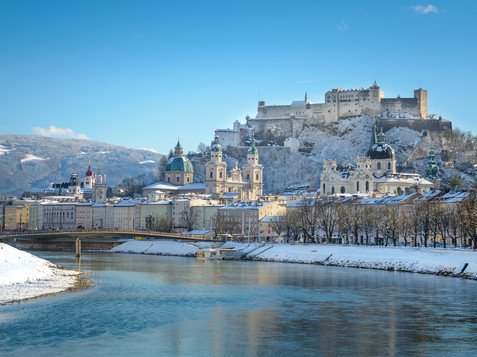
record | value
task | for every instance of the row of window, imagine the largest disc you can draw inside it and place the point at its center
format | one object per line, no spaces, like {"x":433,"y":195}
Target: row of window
{"x":343,"y":190}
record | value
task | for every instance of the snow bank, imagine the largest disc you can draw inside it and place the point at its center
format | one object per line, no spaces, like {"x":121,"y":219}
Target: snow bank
{"x":24,"y":276}
{"x":31,"y":157}
{"x":159,"y":247}
{"x":420,"y":260}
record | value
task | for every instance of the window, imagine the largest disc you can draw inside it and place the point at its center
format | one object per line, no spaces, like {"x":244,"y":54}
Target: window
{"x":168,"y":179}
{"x":342,"y":189}
{"x":177,"y":178}
{"x":333,"y":190}
{"x":211,"y":174}
{"x":220,"y":174}
{"x":188,"y":179}
{"x":357,"y":186}
{"x":248,"y":176}
{"x":389,"y":166}
{"x":256,"y":177}
{"x":378,"y":166}
{"x":324,"y":188}
{"x":367,"y":186}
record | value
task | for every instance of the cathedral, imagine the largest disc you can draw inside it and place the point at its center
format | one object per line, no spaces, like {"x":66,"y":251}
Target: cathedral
{"x":248,"y":182}
{"x":374,"y":173}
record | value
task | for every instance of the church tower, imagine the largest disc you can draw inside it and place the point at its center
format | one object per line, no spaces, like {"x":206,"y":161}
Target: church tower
{"x":89,"y":178}
{"x":253,"y":172}
{"x":74,"y":187}
{"x":99,"y":190}
{"x":215,"y":170}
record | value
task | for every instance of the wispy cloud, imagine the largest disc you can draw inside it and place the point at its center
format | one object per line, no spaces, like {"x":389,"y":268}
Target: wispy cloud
{"x":342,"y":26}
{"x":308,"y":81}
{"x":425,"y":9}
{"x":55,"y":131}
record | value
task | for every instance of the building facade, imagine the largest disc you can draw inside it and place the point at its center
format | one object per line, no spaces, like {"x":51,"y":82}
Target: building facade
{"x":248,"y":182}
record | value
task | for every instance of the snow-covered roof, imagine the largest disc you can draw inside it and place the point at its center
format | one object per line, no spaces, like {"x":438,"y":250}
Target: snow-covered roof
{"x":163,"y":186}
{"x":192,"y":186}
{"x":198,"y":232}
{"x":270,"y":219}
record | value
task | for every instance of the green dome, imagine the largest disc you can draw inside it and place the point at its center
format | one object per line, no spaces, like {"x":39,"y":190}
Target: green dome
{"x":252,"y":150}
{"x":179,"y":163}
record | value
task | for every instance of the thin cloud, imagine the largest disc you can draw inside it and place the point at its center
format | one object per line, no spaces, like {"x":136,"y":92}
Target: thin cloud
{"x":55,"y":131}
{"x":308,"y":81}
{"x":342,"y":26}
{"x":425,"y":9}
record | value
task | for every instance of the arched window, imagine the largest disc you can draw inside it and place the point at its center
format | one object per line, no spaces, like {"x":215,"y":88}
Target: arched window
{"x":399,"y":191}
{"x":333,"y":190}
{"x":220,"y":174}
{"x":256,"y":177}
{"x":324,"y":188}
{"x":188,"y":179}
{"x":248,"y":176}
{"x":378,"y":166}
{"x":367,"y":186}
{"x":342,"y":189}
{"x":211,"y":174}
{"x":168,"y":179}
{"x":389,"y":166}
{"x":357,"y":186}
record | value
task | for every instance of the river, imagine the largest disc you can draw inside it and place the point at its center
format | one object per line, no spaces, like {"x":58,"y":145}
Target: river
{"x":171,"y":306}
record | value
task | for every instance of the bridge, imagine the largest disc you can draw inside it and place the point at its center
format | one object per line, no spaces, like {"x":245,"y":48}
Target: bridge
{"x":39,"y":235}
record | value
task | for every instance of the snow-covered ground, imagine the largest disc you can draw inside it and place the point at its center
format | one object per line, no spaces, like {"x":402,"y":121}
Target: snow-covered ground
{"x":159,"y":247}
{"x":31,"y":157}
{"x":24,"y":276}
{"x":420,"y":260}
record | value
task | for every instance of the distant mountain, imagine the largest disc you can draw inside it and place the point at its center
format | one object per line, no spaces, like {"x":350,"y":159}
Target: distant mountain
{"x":33,"y":162}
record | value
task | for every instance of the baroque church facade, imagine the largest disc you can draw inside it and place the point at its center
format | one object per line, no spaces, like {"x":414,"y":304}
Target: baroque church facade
{"x":248,"y":181}
{"x":374,"y":173}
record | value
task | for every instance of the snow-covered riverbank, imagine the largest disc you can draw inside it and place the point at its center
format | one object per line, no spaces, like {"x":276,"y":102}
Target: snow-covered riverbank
{"x":449,"y":262}
{"x":24,"y":276}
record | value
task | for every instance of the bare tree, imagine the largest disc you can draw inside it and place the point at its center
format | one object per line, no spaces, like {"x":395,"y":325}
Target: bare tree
{"x":327,"y":217}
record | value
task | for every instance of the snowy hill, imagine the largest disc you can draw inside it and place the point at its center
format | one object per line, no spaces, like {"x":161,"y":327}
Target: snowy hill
{"x":32,"y":162}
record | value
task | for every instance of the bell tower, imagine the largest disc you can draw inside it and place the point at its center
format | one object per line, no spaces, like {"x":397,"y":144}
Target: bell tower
{"x":215,"y":170}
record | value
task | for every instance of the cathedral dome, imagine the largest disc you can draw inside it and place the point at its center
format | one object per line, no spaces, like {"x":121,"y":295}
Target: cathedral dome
{"x":380,"y":149}
{"x":179,"y":163}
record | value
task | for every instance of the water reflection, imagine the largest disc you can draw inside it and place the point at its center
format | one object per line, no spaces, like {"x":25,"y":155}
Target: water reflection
{"x":151,"y":305}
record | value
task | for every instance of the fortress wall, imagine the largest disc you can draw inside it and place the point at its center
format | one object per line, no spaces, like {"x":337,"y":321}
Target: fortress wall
{"x":269,"y":129}
{"x":406,"y":105}
{"x":416,"y":124}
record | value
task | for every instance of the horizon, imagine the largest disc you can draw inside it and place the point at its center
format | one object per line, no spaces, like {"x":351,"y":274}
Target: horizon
{"x":142,"y":74}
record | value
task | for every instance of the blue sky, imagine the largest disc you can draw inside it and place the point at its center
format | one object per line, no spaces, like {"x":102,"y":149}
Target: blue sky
{"x":143,"y":73}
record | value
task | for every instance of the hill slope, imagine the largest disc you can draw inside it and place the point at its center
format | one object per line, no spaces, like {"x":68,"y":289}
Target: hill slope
{"x":32,"y":162}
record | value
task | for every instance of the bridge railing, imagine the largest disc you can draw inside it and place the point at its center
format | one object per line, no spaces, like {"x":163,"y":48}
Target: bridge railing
{"x":21,"y":233}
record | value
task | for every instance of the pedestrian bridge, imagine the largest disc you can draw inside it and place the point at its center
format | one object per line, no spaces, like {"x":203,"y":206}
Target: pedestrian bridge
{"x":8,"y":236}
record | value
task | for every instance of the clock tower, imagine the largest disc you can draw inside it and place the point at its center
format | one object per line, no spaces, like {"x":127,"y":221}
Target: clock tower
{"x":99,"y":188}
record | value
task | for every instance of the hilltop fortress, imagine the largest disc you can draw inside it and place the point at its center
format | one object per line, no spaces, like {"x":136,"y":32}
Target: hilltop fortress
{"x":278,"y":123}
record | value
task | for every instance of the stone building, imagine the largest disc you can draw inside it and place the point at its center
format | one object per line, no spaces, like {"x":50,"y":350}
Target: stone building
{"x":374,"y":174}
{"x":248,"y":182}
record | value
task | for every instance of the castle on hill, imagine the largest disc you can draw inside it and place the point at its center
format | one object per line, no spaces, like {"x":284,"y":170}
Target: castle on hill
{"x":281,"y":122}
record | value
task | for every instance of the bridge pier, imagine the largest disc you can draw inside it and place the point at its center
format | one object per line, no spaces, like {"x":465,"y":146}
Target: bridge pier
{"x":78,"y":248}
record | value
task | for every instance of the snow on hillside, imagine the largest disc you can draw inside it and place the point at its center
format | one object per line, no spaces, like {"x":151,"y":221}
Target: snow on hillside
{"x":24,"y":167}
{"x":30,"y":157}
{"x":24,"y":276}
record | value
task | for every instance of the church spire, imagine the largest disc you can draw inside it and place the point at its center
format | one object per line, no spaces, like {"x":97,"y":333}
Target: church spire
{"x":306,"y":97}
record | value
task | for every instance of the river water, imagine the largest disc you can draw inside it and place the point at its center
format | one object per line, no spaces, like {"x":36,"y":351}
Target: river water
{"x":153,"y":305}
